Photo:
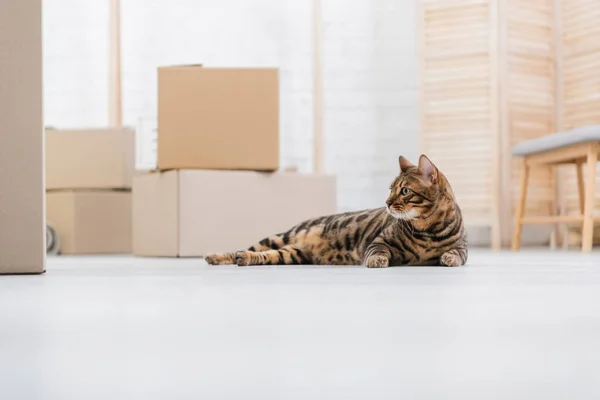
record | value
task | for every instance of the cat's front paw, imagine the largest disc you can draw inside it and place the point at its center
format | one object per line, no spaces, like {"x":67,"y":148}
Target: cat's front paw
{"x":377,"y":261}
{"x":450,"y":260}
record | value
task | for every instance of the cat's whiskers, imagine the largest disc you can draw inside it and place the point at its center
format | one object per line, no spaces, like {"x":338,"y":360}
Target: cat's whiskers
{"x":403,"y":215}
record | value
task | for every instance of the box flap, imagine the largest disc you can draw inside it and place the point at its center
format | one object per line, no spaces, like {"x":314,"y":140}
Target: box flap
{"x":182,"y":66}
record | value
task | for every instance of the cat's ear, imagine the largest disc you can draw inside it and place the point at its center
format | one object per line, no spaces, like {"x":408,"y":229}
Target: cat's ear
{"x":404,"y":164}
{"x":428,"y":168}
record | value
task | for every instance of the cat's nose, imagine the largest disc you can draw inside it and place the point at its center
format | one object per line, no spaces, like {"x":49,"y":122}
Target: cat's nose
{"x":388,"y":202}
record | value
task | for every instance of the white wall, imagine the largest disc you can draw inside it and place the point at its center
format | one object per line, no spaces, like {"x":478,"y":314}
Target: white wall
{"x":371,"y":95}
{"x":75,"y":62}
{"x":370,"y":72}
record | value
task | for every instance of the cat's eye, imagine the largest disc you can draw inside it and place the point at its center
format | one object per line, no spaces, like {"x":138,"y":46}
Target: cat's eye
{"x":404,"y":191}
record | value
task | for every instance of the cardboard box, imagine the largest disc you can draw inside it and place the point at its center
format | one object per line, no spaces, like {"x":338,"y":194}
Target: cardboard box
{"x":22,"y":229}
{"x":90,"y":158}
{"x":189,"y":213}
{"x":91,"y":222}
{"x":218,"y":118}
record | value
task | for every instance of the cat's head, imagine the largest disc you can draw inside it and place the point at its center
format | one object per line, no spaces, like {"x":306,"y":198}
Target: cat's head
{"x":418,"y":190}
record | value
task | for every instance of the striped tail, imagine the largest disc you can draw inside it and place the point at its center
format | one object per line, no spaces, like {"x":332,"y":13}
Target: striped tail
{"x":274,"y":242}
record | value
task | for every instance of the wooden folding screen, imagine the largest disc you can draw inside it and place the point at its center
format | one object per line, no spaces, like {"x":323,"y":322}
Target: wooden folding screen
{"x":487,"y":82}
{"x":579,"y":104}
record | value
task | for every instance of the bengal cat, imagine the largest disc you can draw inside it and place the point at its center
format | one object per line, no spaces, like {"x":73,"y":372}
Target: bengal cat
{"x":421,"y":224}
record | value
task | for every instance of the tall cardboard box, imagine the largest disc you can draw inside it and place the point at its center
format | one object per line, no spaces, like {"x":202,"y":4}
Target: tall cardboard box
{"x":90,"y":158}
{"x":218,"y":118}
{"x":91,"y":222}
{"x":189,"y":213}
{"x":22,"y":229}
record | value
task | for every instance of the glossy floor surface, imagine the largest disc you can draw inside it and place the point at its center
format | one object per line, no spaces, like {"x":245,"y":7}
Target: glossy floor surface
{"x":506,"y":326}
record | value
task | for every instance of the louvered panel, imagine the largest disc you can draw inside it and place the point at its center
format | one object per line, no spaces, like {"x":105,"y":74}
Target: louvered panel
{"x":467,"y":89}
{"x":580,"y":95}
{"x":580,"y":22}
{"x":575,"y":67}
{"x":530,"y":92}
{"x":455,"y":99}
{"x":585,"y":43}
{"x":487,"y":70}
{"x":544,"y":7}
{"x":525,"y":38}
{"x":450,"y":6}
{"x":458,"y":125}
{"x":455,"y":28}
{"x":470,"y":184}
{"x":475,"y":138}
{"x":537,"y":67}
{"x":580,"y":27}
{"x":581,"y":84}
{"x":578,"y":19}
{"x":449,"y":19}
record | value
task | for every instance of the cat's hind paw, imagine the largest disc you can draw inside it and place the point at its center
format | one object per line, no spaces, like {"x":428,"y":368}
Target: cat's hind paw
{"x":220,"y":259}
{"x":243,"y":258}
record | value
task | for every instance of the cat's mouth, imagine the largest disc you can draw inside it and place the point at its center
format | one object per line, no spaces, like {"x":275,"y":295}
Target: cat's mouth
{"x":404,"y":215}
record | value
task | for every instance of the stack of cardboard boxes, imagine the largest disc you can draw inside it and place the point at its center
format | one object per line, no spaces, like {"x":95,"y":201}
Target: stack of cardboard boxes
{"x":88,"y":189}
{"x":216,"y":187}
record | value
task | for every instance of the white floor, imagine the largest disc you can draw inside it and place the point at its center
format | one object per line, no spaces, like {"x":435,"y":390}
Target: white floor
{"x":506,"y":326}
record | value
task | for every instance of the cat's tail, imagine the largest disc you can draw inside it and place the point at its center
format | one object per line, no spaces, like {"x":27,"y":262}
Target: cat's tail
{"x":274,"y":242}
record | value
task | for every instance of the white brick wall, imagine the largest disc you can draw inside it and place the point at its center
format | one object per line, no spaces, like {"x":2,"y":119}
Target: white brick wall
{"x":370,"y":95}
{"x":370,"y":72}
{"x":75,"y":62}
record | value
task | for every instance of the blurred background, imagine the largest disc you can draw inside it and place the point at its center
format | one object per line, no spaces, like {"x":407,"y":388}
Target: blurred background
{"x":360,"y":83}
{"x":369,"y":58}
